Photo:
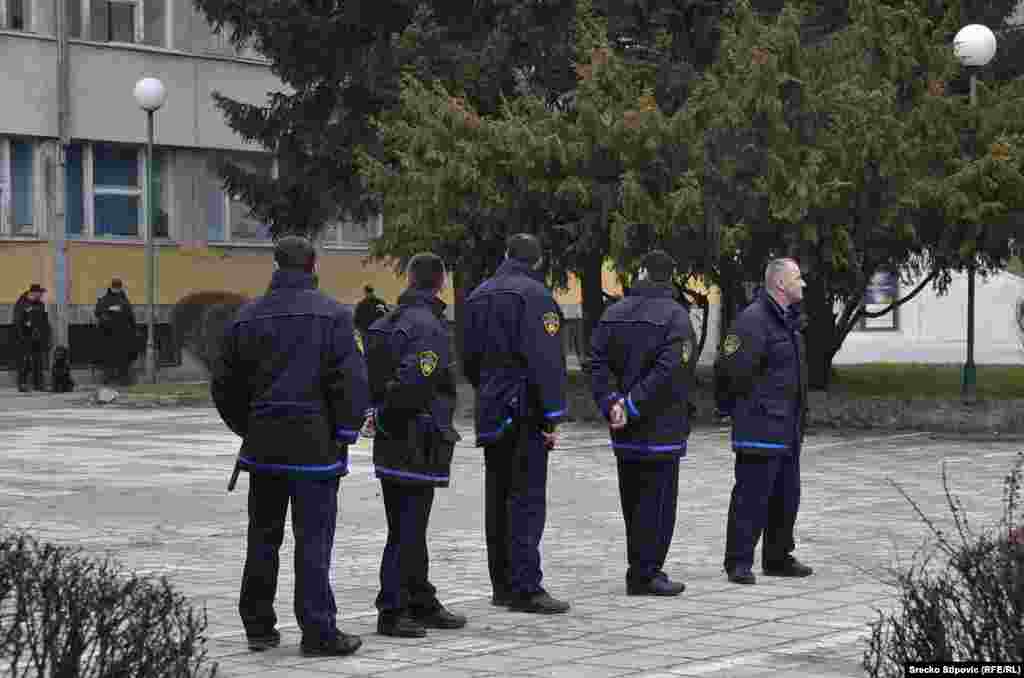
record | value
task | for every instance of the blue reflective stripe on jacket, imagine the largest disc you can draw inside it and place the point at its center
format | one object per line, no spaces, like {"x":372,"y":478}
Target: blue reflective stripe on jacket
{"x":383,"y":472}
{"x":338,"y":468}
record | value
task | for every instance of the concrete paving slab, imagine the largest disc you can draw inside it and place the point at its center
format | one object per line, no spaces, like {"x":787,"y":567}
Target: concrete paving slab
{"x":149,"y":488}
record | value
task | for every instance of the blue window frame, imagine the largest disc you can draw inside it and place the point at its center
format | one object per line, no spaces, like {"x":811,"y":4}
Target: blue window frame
{"x":117,"y":191}
{"x":22,"y":192}
{"x":74,"y":183}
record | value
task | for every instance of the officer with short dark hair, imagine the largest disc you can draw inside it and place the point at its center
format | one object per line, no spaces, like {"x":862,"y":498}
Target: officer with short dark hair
{"x":412,"y":383}
{"x":291,"y":381}
{"x":368,"y":310}
{"x":640,"y":377}
{"x":513,"y":357}
{"x":116,"y":320}
{"x":763,"y":360}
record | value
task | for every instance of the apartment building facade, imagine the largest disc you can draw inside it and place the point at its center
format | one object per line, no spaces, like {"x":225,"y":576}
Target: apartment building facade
{"x":72,"y":166}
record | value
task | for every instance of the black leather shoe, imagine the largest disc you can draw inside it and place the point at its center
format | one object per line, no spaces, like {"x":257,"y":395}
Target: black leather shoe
{"x":538,"y":603}
{"x":264,"y":641}
{"x":790,"y":568}
{"x":658,"y":586}
{"x":439,"y":618}
{"x":400,"y":626}
{"x":501,"y":600}
{"x":341,"y":645}
{"x":742,"y":576}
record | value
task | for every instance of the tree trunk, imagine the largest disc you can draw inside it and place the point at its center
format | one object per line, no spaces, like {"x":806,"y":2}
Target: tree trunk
{"x":462,"y":284}
{"x":731,"y":302}
{"x":820,"y":336}
{"x":593,"y":301}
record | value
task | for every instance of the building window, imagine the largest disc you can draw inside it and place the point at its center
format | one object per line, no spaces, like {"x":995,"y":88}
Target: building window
{"x":17,"y":15}
{"x":117,"y":192}
{"x":154,"y":14}
{"x":114,"y":21}
{"x":22,"y":185}
{"x":229,"y":219}
{"x":18,"y":187}
{"x":116,"y":195}
{"x":353,"y":234}
{"x":74,"y":18}
{"x":74,"y":195}
{"x":220,"y":44}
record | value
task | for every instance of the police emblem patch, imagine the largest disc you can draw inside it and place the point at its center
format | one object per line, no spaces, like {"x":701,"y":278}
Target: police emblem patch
{"x":687,"y":350}
{"x":359,"y":341}
{"x":428,"y":362}
{"x":730,"y":345}
{"x":551,"y":323}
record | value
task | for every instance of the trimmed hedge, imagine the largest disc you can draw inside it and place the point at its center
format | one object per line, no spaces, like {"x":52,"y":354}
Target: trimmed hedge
{"x":64,"y":614}
{"x":199,"y":321}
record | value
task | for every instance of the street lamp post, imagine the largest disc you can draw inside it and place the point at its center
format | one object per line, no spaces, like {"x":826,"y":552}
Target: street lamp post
{"x":150,"y":95}
{"x":974,"y":45}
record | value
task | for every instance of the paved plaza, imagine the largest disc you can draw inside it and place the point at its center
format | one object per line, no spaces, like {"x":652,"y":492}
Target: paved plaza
{"x":148,"y":486}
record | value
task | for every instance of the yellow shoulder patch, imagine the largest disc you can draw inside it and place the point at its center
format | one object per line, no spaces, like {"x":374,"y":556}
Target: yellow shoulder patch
{"x":552,"y":323}
{"x":687,"y":350}
{"x":359,"y":341}
{"x":428,"y":362}
{"x":730,"y":345}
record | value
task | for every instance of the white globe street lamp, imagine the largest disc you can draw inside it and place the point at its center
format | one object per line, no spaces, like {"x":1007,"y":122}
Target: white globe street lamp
{"x":974,"y":45}
{"x":150,"y":94}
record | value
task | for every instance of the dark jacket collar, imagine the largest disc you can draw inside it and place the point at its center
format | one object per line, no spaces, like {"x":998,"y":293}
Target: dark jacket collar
{"x":652,"y":290}
{"x":516,"y":267}
{"x":411,"y":297}
{"x":292,"y":280}
{"x":790,"y":317}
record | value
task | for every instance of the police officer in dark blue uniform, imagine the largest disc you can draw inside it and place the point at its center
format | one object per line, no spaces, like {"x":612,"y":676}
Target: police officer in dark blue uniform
{"x":513,"y":357}
{"x":412,"y":382}
{"x":640,"y":377}
{"x":291,"y":382}
{"x":764,"y":360}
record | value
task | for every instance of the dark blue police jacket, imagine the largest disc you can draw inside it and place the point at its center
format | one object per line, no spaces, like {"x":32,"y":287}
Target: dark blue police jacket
{"x":764,"y":361}
{"x":292,"y":381}
{"x":412,"y":382}
{"x":641,"y":352}
{"x":513,"y":354}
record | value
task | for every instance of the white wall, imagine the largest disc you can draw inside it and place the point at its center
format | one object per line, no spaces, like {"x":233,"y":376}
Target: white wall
{"x":933,"y":329}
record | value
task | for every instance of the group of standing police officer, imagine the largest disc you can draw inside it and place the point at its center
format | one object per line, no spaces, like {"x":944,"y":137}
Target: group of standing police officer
{"x":297,"y":382}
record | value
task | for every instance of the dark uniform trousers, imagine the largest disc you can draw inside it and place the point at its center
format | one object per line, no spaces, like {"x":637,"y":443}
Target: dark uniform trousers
{"x":30,"y":364}
{"x":649,"y":491}
{"x":765,"y":498}
{"x":314,"y":517}
{"x":403,"y":568}
{"x":515,"y":498}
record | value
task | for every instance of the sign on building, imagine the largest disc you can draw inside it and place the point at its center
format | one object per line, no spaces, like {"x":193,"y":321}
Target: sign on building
{"x":882,"y":291}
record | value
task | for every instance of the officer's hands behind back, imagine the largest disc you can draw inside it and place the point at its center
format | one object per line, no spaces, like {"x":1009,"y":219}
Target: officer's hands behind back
{"x":617,"y":416}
